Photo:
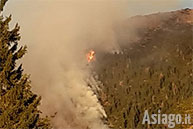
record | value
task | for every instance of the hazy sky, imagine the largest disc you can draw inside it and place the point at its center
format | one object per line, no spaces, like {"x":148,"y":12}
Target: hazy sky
{"x":138,"y":6}
{"x":23,"y":10}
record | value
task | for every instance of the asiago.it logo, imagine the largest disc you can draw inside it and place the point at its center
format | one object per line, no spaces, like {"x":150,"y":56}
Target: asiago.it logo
{"x":171,"y":120}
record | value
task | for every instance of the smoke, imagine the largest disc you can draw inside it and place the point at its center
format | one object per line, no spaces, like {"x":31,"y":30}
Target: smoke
{"x":64,"y":33}
{"x":59,"y":34}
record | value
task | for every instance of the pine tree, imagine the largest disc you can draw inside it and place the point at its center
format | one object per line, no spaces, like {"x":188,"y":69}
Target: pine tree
{"x":18,"y":105}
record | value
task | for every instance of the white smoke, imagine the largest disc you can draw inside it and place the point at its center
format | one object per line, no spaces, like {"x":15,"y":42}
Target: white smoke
{"x":58,"y":59}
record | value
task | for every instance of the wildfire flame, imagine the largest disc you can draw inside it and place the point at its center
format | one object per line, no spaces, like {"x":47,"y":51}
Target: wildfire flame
{"x":90,"y":56}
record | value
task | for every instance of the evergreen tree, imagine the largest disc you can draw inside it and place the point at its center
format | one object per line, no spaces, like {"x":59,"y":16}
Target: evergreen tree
{"x":18,"y":105}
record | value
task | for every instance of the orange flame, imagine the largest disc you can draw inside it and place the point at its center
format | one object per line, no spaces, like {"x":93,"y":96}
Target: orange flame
{"x":90,"y":55}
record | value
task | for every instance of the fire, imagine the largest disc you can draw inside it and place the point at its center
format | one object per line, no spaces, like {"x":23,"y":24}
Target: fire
{"x":90,"y":56}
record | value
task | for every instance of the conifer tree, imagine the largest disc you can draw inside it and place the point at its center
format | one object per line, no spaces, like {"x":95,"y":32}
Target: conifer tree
{"x":18,"y":105}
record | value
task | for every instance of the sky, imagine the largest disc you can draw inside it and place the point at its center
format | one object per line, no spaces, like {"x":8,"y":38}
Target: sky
{"x":24,"y":10}
{"x":21,"y":10}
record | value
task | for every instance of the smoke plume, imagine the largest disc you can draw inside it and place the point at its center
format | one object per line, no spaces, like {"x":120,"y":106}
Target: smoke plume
{"x":64,"y":33}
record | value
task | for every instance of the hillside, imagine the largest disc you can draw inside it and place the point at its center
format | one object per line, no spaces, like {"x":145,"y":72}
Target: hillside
{"x":153,"y":71}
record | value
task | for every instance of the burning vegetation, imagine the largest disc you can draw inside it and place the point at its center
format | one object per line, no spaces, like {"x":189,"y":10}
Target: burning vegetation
{"x":90,"y":56}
